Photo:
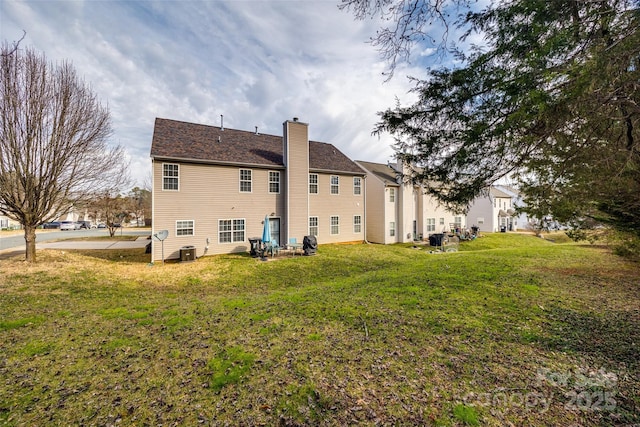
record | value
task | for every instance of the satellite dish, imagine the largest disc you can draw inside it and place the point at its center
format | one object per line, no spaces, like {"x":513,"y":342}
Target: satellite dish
{"x":161,"y":235}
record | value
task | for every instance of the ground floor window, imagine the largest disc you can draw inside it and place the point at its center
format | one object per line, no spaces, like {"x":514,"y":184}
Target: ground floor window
{"x":392,"y":229}
{"x":185,"y":228}
{"x":335,"y":225}
{"x":457,"y":221}
{"x":313,"y":226}
{"x":431,"y":225}
{"x":357,"y":224}
{"x":231,"y":230}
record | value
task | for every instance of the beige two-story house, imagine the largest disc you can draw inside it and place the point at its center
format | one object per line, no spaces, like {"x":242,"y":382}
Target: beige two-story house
{"x":399,"y":210}
{"x":214,"y":186}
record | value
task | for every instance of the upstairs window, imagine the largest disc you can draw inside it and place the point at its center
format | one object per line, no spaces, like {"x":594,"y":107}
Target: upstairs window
{"x":313,"y":183}
{"x":392,"y":195}
{"x":245,"y":180}
{"x":335,"y":184}
{"x":357,"y":185}
{"x":170,"y":177}
{"x":274,"y":182}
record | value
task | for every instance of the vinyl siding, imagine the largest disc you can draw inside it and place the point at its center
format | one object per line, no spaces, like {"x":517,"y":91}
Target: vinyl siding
{"x":296,"y":155}
{"x":431,"y":209}
{"x":345,"y":205}
{"x":483,"y":207}
{"x":207,"y":194}
{"x":376,"y":225}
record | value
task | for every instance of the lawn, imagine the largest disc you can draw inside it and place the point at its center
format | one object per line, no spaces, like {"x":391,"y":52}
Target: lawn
{"x":512,"y":329}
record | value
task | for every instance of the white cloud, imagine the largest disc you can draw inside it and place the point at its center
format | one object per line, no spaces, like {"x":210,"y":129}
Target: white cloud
{"x":258,"y":63}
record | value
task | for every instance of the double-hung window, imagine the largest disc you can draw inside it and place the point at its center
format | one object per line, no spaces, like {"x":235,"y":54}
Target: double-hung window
{"x":335,"y":184}
{"x":392,"y":195}
{"x":185,"y":227}
{"x":313,"y":183}
{"x":357,"y":223}
{"x":392,"y":229}
{"x":231,"y":230}
{"x":431,"y":225}
{"x":313,"y":225}
{"x":335,"y":225}
{"x":170,"y":177}
{"x":245,"y":180}
{"x":274,"y":182}
{"x":357,"y":185}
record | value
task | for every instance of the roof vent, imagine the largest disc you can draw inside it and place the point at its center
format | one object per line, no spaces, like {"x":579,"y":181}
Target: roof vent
{"x":295,"y":119}
{"x":256,"y":130}
{"x":219,"y":139}
{"x":221,"y":122}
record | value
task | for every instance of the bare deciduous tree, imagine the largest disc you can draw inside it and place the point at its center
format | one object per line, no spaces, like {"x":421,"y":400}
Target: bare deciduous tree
{"x":53,"y":136}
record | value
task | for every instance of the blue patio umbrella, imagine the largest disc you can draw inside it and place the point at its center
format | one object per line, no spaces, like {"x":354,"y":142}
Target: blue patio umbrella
{"x":266,"y":230}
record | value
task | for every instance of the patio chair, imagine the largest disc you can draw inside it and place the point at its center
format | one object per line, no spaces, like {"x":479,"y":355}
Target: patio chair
{"x":273,"y":248}
{"x":294,"y":245}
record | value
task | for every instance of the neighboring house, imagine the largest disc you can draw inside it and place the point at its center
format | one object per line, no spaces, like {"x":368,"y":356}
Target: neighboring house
{"x":7,"y":223}
{"x":399,"y":210}
{"x":520,"y":221}
{"x":492,"y":211}
{"x":213,"y":186}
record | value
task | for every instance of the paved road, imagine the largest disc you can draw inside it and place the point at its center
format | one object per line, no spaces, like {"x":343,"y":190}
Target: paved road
{"x":17,"y":241}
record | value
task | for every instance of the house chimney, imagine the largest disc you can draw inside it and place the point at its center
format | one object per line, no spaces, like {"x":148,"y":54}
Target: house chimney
{"x":221,"y":122}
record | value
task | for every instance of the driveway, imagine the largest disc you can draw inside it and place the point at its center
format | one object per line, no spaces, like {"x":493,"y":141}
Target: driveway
{"x":14,"y":244}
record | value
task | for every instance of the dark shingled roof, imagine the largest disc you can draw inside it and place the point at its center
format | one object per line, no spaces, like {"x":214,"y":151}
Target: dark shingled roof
{"x":385,"y":172}
{"x":175,"y":140}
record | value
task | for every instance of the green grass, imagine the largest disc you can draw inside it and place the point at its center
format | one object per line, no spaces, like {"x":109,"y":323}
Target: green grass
{"x":509,"y":329}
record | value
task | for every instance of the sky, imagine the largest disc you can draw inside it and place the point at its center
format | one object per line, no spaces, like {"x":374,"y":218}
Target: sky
{"x":257,"y":63}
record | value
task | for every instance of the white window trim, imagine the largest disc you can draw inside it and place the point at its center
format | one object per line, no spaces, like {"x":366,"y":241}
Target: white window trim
{"x":314,"y":183}
{"x":232,"y":231}
{"x":317,"y":226}
{"x":359,"y":179}
{"x":331,"y":185}
{"x":358,"y":224}
{"x":331,"y":225}
{"x":317,"y":185}
{"x":269,"y":183}
{"x":392,"y":191}
{"x":177,"y":177}
{"x":193,"y":228}
{"x":392,"y":230}
{"x":240,"y":180}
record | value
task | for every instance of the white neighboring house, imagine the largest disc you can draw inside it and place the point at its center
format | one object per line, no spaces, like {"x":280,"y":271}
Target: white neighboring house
{"x":521,"y":221}
{"x":7,"y":223}
{"x":398,"y":210}
{"x":492,"y":211}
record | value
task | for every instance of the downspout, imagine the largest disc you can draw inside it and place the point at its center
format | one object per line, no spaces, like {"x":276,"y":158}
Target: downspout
{"x":364,"y":179}
{"x":153,"y":211}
